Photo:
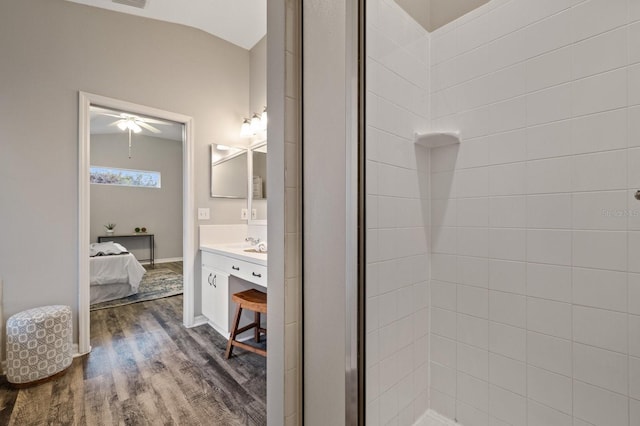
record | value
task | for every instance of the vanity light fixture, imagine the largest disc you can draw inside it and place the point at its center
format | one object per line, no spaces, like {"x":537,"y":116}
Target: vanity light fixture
{"x":245,"y":130}
{"x":223,"y":147}
{"x":257,"y":124}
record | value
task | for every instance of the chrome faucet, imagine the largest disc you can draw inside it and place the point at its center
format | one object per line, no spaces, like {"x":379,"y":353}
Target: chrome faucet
{"x":252,"y":240}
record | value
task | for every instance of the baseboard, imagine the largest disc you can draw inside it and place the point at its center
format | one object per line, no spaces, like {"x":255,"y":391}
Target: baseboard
{"x":432,"y":418}
{"x":199,"y":320}
{"x":166,"y":260}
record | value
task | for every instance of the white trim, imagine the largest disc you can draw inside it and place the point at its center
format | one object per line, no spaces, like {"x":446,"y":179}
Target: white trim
{"x":199,"y":320}
{"x":189,"y":249}
{"x":165,"y":260}
{"x":432,"y":418}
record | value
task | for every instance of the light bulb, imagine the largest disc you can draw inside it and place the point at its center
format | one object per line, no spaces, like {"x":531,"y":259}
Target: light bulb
{"x":134,"y":126}
{"x":255,"y":124}
{"x":263,"y":119}
{"x":245,"y":130}
{"x":122,"y":125}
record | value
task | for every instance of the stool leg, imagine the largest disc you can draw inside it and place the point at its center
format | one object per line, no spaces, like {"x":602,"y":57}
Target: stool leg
{"x":234,"y":331}
{"x":257,"y":332}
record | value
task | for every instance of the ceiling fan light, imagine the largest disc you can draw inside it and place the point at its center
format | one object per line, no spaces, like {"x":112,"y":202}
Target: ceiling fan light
{"x":122,"y":125}
{"x":134,"y":126}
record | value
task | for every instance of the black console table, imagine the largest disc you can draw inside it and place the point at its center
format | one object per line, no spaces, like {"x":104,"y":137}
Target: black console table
{"x":151,"y":259}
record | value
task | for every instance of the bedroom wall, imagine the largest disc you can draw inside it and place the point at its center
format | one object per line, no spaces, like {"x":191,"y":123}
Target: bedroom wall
{"x":51,"y":49}
{"x":157,"y":209}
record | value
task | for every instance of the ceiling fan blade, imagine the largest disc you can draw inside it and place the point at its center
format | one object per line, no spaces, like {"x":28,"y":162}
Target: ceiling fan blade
{"x":147,"y":126}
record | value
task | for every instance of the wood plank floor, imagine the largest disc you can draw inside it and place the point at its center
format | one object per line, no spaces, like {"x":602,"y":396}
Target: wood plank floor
{"x":145,"y":368}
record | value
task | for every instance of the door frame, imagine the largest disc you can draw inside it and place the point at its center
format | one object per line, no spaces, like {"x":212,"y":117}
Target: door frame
{"x":189,"y":251}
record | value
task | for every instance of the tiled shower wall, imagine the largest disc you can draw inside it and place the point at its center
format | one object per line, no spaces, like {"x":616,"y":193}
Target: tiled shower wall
{"x":535,"y":290}
{"x":397,"y":217}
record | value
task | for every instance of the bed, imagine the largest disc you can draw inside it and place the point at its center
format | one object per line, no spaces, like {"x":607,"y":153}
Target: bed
{"x":114,"y":272}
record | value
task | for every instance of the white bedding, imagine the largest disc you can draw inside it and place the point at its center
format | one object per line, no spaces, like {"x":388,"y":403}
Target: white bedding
{"x":113,"y":277}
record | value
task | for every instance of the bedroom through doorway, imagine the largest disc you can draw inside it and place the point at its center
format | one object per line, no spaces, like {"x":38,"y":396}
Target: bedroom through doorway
{"x":135,"y":208}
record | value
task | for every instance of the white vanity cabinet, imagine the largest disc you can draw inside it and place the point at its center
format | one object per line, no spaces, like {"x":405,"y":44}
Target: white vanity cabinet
{"x":215,"y":294}
{"x":226,"y":271}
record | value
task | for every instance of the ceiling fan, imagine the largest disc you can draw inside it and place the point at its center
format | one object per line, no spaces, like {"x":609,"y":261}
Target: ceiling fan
{"x":130,"y":122}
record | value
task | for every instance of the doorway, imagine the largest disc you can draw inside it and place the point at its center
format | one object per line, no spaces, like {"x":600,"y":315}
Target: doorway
{"x":86,"y":100}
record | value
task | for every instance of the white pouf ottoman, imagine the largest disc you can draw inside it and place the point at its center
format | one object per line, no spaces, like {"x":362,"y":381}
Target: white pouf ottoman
{"x":39,"y":343}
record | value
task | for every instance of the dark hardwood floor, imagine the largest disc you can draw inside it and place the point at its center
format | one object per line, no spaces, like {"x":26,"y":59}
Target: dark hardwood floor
{"x":146,"y":369}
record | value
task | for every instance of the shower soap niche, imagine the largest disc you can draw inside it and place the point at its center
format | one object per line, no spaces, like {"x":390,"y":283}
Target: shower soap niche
{"x":437,"y":139}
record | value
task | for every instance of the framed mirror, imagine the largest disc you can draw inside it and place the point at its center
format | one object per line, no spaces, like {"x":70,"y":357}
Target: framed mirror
{"x":229,"y":171}
{"x":257,"y":202}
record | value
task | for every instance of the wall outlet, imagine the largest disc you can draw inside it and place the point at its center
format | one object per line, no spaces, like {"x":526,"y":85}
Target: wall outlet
{"x":203,"y":213}
{"x":254,"y":214}
{"x":244,"y":214}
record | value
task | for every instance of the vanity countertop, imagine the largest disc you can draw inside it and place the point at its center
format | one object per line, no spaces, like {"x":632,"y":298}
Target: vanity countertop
{"x":236,"y":251}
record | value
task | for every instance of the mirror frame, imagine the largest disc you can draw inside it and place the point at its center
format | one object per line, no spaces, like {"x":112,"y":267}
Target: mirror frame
{"x":223,"y":160}
{"x":250,"y":150}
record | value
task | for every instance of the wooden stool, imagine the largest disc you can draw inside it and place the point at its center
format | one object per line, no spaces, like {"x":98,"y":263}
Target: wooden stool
{"x":255,"y":301}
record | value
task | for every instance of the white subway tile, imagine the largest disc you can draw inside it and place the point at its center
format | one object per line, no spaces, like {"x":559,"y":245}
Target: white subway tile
{"x":600,"y":249}
{"x":443,"y":379}
{"x":508,"y":374}
{"x":600,"y":132}
{"x":634,"y":251}
{"x":550,"y":389}
{"x":508,"y":115}
{"x":549,"y":105}
{"x":551,"y":353}
{"x":600,"y":328}
{"x":473,"y":212}
{"x":473,"y":301}
{"x":549,"y":176}
{"x":507,"y":83}
{"x":473,"y":153}
{"x":600,"y":210}
{"x":601,"y":92}
{"x":600,"y":368}
{"x":443,"y":240}
{"x":507,"y":179}
{"x":634,"y":42}
{"x":470,"y":65}
{"x":473,"y":331}
{"x":507,"y":50}
{"x":443,"y":351}
{"x":634,"y":377}
{"x":602,"y":53}
{"x":507,"y":308}
{"x":633,"y":156}
{"x":634,"y":10}
{"x":507,"y":406}
{"x":507,"y":276}
{"x":509,"y":147}
{"x":549,"y":211}
{"x":549,"y":140}
{"x":473,"y":34}
{"x":507,"y":244}
{"x":473,"y":123}
{"x":507,"y":212}
{"x":634,"y":84}
{"x":548,"y":70}
{"x":508,"y":341}
{"x":468,"y":415}
{"x":634,"y":293}
{"x":600,"y":289}
{"x":473,"y":361}
{"x":443,"y":295}
{"x":599,"y":406}
{"x":472,"y":182}
{"x":444,"y":212}
{"x":597,"y":16}
{"x":549,"y":317}
{"x":473,"y":391}
{"x":634,"y":335}
{"x":549,"y":282}
{"x":541,"y":415}
{"x":473,"y":242}
{"x":443,"y":404}
{"x":549,"y":246}
{"x":548,"y":34}
{"x":473,"y":271}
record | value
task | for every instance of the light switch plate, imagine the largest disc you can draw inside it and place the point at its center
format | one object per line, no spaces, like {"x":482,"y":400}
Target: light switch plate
{"x":244,"y":214}
{"x":203,"y":213}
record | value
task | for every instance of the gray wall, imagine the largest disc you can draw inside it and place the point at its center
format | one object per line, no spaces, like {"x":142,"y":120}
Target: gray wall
{"x":258,"y":60}
{"x":157,"y":209}
{"x":50,"y":50}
